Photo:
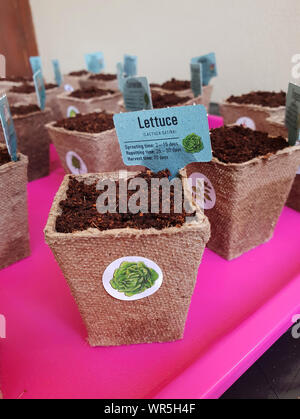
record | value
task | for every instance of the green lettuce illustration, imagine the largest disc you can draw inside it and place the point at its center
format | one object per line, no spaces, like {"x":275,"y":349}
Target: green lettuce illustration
{"x":73,"y":114}
{"x":133,"y":278}
{"x":193,"y":143}
{"x":76,"y":163}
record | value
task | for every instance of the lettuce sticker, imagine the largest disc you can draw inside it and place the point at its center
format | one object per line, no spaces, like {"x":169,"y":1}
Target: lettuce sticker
{"x":132,"y":278}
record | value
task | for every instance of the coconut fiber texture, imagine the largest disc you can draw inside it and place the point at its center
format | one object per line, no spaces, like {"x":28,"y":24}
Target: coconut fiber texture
{"x":294,"y":198}
{"x":33,"y":141}
{"x":84,"y":256}
{"x":249,"y":199}
{"x":14,"y":242}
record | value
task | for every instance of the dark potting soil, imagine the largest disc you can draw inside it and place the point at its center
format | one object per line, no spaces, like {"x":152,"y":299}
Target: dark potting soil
{"x":24,"y":109}
{"x":103,"y":76}
{"x":91,"y":92}
{"x":174,"y":85}
{"x":17,"y":79}
{"x":4,"y":157}
{"x":270,"y":99}
{"x":238,"y":144}
{"x":79,"y":211}
{"x":92,"y":123}
{"x":28,"y":88}
{"x":49,"y":86}
{"x":170,"y":99}
{"x":79,"y":73}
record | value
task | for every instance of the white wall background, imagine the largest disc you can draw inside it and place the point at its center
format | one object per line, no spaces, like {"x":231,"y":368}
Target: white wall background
{"x":254,"y":39}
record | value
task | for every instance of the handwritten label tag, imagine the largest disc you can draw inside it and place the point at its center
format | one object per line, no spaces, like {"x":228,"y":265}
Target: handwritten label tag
{"x":130,"y":65}
{"x":57,"y":72}
{"x":95,"y":62}
{"x":40,"y":89}
{"x":137,"y":94}
{"x":209,"y":66}
{"x":8,"y":128}
{"x":120,"y":75}
{"x":164,"y":138}
{"x":196,"y":79}
{"x":292,"y":116}
{"x":36,"y":64}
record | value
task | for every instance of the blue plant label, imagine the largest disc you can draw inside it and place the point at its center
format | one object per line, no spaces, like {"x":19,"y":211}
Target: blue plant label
{"x":209,"y":66}
{"x":137,"y":94}
{"x":8,"y":128}
{"x":57,"y":72}
{"x":196,"y":79}
{"x":292,"y":116}
{"x":120,"y":75}
{"x":130,"y":65}
{"x":164,"y":138}
{"x":36,"y":64}
{"x":95,"y":62}
{"x":40,"y":89}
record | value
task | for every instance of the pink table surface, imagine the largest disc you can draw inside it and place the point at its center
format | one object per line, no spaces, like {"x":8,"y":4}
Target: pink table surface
{"x":239,"y":309}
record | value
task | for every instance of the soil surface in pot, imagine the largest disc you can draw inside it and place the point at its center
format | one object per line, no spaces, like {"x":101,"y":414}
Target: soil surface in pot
{"x":103,"y":77}
{"x":238,"y":144}
{"x":4,"y":157}
{"x":164,"y":101}
{"x":92,"y":123}
{"x":91,"y":92}
{"x":28,"y":88}
{"x":174,"y":85}
{"x":270,"y":99}
{"x":17,"y":79}
{"x":78,"y":73}
{"x":79,"y":211}
{"x":24,"y":110}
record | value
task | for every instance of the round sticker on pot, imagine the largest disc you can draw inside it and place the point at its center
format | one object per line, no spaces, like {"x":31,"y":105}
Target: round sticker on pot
{"x":203,"y":192}
{"x":72,"y":112}
{"x":75,"y":163}
{"x":68,"y":88}
{"x":246,"y":122}
{"x":132,"y":278}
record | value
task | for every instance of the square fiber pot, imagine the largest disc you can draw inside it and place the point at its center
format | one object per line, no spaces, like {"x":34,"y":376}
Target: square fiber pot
{"x":264,"y":118}
{"x":205,"y":98}
{"x":14,"y":243}
{"x":249,"y":199}
{"x":73,"y":81}
{"x":294,"y":197}
{"x":109,"y":103}
{"x":99,"y":153}
{"x":84,"y":256}
{"x":33,"y":141}
{"x":99,"y":84}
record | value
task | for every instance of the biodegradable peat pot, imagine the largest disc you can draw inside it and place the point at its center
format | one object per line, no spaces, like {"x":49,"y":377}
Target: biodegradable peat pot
{"x":85,"y":256}
{"x":249,"y":197}
{"x":100,"y":81}
{"x":14,"y":243}
{"x":256,"y":116}
{"x":72,"y":80}
{"x":33,"y":139}
{"x":82,"y":152}
{"x":72,"y":105}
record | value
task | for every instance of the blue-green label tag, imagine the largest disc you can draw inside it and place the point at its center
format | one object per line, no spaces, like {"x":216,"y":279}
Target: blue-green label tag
{"x":120,"y":75}
{"x":164,"y":138}
{"x":40,"y":89}
{"x":196,"y":79}
{"x":292,"y":116}
{"x":8,"y":128}
{"x":209,"y":66}
{"x":130,"y":65}
{"x":36,"y":64}
{"x":137,"y":94}
{"x":57,"y":72}
{"x":95,"y":62}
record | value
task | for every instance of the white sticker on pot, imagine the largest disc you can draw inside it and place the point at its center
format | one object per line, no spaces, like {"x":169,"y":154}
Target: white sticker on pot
{"x":298,"y":173}
{"x":72,"y":112}
{"x":75,"y":164}
{"x":203,"y":192}
{"x":246,"y":122}
{"x":68,"y":88}
{"x":132,"y":278}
